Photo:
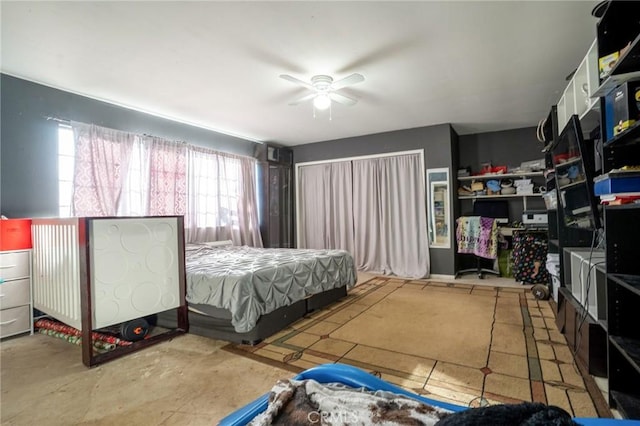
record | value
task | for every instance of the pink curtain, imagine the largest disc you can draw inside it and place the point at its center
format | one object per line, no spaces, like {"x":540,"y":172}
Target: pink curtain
{"x":118,"y":173}
{"x":222,"y":202}
{"x":167,"y":177}
{"x":101,"y":164}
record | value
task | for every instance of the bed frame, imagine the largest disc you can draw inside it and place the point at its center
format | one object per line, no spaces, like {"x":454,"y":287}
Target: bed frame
{"x":208,"y":321}
{"x":92,"y":273}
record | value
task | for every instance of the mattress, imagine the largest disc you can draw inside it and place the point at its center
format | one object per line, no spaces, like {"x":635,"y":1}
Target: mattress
{"x":250,"y":282}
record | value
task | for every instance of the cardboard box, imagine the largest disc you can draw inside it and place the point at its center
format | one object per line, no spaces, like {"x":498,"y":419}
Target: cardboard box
{"x":625,"y":106}
{"x":15,"y":234}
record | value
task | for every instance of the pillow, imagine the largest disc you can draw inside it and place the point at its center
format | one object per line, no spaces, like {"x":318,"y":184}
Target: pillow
{"x":224,"y":243}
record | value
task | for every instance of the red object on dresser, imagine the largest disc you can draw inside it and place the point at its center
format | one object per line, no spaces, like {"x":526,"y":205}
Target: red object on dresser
{"x":15,"y":234}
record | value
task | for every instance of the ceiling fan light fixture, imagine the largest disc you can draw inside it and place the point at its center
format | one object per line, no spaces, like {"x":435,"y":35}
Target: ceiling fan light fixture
{"x":322,"y":101}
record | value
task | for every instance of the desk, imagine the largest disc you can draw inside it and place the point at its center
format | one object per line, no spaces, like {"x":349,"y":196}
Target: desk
{"x":507,"y":231}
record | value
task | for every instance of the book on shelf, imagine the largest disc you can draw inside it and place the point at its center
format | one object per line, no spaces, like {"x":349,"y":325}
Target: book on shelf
{"x":620,"y":198}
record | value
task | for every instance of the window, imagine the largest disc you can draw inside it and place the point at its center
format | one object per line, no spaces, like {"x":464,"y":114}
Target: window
{"x":214,"y":183}
{"x":214,"y":188}
{"x":66,"y":159}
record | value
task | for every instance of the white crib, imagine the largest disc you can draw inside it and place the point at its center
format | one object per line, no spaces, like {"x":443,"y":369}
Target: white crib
{"x":92,"y":273}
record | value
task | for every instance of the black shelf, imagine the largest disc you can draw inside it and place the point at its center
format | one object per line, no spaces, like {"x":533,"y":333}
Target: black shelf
{"x":629,"y":348}
{"x":604,"y":324}
{"x":630,"y":282}
{"x":630,"y":206}
{"x":628,"y":137}
{"x":576,"y":184}
{"x":619,"y":27}
{"x":577,"y":160}
{"x":555,"y":243}
{"x":628,"y":405}
{"x":630,"y":61}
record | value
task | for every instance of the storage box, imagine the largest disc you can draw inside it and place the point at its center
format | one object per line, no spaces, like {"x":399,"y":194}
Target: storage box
{"x":616,"y":183}
{"x":15,"y":234}
{"x":583,"y":274}
{"x":625,"y":101}
{"x":550,"y":199}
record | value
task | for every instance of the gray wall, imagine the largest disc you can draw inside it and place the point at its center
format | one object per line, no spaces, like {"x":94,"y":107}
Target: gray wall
{"x":508,"y":147}
{"x":28,"y":148}
{"x":505,"y":148}
{"x":29,"y":173}
{"x":440,"y":146}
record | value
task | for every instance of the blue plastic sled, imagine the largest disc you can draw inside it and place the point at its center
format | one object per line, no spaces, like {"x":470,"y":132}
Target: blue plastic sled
{"x":356,"y":378}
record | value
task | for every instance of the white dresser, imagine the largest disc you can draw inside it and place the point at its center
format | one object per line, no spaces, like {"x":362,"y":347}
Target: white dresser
{"x":16,"y":314}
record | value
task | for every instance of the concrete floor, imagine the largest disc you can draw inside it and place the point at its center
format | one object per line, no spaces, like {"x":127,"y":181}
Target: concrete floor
{"x":186,"y":381}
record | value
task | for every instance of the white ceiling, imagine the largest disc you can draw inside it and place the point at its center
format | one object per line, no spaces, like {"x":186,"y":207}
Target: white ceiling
{"x":482,"y":66}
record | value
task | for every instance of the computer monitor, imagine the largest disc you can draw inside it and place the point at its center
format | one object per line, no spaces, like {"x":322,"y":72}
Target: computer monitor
{"x":496,"y":209}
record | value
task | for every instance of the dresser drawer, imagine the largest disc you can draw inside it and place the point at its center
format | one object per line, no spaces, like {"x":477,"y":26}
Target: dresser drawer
{"x":14,"y":265}
{"x":15,"y":320}
{"x":14,"y":293}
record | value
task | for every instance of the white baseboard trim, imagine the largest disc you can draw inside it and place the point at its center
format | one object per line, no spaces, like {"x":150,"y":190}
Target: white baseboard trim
{"x":441,"y":277}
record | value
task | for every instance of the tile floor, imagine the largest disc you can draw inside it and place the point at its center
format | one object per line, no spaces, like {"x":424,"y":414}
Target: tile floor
{"x":457,"y":342}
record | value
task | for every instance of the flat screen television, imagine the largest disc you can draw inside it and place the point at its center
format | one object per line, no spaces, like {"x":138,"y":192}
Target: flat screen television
{"x":573,"y":160}
{"x":496,"y":209}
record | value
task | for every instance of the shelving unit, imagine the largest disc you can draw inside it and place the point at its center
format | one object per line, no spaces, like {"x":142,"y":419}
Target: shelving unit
{"x":476,"y":197}
{"x":500,"y":176}
{"x":626,"y":69}
{"x":619,"y":26}
{"x":623,"y":302}
{"x":585,"y":335}
{"x":577,"y":97}
{"x":523,"y":175}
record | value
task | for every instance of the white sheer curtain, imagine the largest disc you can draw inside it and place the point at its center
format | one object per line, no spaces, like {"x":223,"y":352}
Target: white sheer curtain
{"x":390,"y":219}
{"x":156,"y":181}
{"x":123,"y":174}
{"x":374,"y":208}
{"x":326,"y":195}
{"x":100,"y":169}
{"x":222,"y":202}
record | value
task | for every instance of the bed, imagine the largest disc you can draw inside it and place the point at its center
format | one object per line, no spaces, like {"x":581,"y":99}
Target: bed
{"x":95,"y":273}
{"x":245,"y":294}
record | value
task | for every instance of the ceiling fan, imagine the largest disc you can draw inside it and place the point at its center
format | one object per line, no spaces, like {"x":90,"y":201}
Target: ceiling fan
{"x":324,"y":90}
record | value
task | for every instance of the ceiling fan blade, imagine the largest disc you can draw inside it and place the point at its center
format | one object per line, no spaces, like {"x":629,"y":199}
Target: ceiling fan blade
{"x":342,"y":99}
{"x":303,"y":99}
{"x":296,"y":81}
{"x":347,"y":81}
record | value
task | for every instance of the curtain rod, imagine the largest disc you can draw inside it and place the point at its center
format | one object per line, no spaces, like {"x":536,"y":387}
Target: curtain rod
{"x":57,"y":120}
{"x":67,"y":121}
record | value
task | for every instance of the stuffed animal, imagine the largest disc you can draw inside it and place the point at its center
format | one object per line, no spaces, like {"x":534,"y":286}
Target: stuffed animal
{"x":524,"y":414}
